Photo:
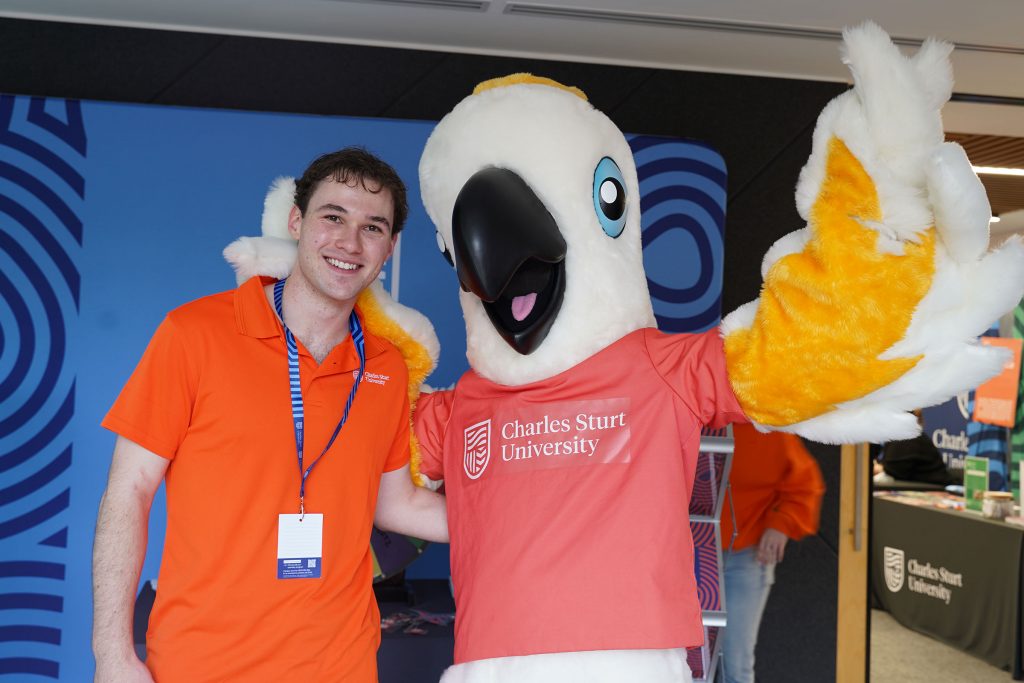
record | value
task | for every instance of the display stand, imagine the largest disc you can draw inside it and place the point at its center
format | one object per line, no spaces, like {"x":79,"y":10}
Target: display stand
{"x":709,"y":486}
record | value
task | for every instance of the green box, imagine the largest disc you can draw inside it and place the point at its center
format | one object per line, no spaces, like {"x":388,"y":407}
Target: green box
{"x":975,"y":481}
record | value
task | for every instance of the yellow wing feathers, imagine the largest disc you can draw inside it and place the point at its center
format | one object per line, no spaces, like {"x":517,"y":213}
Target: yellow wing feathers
{"x":827,"y":313}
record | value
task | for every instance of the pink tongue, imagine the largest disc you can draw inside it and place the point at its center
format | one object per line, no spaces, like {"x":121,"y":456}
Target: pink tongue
{"x":522,"y":305}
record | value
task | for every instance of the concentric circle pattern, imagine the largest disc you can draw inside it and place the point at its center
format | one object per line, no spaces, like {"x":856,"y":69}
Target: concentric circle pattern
{"x":42,"y":148}
{"x":705,"y":555}
{"x":707,"y":484}
{"x":682,"y":200}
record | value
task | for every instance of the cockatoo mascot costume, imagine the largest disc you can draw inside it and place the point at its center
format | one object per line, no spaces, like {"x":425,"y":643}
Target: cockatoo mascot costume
{"x":568,"y":450}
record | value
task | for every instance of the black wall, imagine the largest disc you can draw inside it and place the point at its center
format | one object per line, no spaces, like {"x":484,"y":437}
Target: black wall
{"x":762,"y":126}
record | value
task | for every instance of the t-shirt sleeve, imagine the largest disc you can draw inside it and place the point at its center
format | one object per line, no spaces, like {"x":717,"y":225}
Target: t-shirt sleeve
{"x":154,"y":408}
{"x":693,"y":365}
{"x":430,"y":422}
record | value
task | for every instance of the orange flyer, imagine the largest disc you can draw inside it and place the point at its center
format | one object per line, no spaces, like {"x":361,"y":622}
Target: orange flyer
{"x":995,"y":401}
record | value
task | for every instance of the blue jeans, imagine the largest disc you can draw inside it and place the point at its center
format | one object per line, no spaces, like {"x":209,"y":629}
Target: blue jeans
{"x":747,"y":583}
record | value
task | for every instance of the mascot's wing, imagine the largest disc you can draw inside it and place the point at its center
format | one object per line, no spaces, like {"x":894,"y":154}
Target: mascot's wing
{"x":874,"y":308}
{"x":414,"y":336}
{"x":409,"y":330}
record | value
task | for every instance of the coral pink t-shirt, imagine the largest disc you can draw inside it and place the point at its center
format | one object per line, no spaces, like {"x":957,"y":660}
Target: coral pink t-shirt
{"x":568,"y":497}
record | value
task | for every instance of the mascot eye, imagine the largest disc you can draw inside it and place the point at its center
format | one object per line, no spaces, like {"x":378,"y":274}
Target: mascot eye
{"x":444,"y":249}
{"x":610,"y":197}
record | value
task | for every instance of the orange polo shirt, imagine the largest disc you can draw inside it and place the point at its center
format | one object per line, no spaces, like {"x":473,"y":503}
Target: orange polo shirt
{"x":775,"y":483}
{"x":211,"y":395}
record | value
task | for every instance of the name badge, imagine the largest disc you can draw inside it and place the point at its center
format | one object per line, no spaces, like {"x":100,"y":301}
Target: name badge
{"x":299,"y":546}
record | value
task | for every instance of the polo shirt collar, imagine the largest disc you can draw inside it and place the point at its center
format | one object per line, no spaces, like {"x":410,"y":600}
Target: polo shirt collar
{"x":254,"y":316}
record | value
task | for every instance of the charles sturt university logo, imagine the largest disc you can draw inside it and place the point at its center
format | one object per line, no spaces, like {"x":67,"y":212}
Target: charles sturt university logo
{"x":893,"y":562}
{"x":478,"y":449}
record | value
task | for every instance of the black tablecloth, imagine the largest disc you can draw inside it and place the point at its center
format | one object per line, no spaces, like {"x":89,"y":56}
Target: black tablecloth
{"x":954,"y":576}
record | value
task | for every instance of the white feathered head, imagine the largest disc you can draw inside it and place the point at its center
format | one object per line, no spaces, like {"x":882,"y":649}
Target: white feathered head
{"x":535,"y":197}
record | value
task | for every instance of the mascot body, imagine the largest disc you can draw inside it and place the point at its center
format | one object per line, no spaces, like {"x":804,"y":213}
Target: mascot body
{"x":568,"y":450}
{"x":568,"y":508}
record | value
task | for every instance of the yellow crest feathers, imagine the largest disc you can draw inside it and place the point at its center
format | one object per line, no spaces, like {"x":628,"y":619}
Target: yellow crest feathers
{"x":527,"y":79}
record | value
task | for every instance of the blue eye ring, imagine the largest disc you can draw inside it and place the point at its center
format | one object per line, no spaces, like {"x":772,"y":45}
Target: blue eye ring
{"x":610,"y":197}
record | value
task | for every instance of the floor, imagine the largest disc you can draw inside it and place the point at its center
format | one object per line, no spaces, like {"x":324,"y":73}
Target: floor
{"x":899,"y":655}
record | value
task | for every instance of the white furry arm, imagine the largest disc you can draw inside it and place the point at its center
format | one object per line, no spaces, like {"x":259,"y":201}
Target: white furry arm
{"x":959,"y":202}
{"x":874,"y":308}
{"x":407,"y":509}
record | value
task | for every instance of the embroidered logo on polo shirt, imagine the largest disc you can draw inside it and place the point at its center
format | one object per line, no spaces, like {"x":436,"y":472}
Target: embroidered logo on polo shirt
{"x":372,"y":377}
{"x":477,"y":451}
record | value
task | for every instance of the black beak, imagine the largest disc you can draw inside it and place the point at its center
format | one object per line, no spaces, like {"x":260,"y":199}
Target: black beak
{"x":510,"y":253}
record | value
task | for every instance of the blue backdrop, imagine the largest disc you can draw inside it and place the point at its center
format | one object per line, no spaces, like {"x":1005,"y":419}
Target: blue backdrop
{"x":110,"y":215}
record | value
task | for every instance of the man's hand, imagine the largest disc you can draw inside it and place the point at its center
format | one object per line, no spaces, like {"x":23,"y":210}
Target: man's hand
{"x":771,"y":546}
{"x":131,"y":670}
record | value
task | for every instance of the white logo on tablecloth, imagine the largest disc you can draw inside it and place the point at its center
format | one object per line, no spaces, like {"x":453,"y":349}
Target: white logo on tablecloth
{"x":893,"y":563}
{"x":477,"y":451}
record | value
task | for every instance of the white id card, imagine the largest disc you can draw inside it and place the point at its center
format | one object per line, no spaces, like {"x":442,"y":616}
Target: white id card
{"x":299,"y":546}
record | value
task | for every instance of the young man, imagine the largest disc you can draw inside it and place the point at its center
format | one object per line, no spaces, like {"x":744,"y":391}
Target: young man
{"x":266,"y":572}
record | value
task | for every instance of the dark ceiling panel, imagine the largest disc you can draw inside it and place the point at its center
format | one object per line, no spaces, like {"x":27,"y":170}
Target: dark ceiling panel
{"x":94,"y":62}
{"x":749,"y":120}
{"x":455,"y":77}
{"x":758,"y":217}
{"x":297,"y":76}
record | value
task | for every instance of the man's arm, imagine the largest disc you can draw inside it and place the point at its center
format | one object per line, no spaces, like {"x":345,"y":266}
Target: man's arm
{"x":408,"y":509}
{"x":118,"y":551}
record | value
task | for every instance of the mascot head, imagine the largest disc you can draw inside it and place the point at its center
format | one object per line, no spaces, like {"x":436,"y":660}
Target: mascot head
{"x":535,"y":197}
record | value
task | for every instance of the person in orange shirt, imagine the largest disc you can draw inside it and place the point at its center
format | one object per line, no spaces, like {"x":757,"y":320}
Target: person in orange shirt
{"x":776,"y":490}
{"x":274,"y":479}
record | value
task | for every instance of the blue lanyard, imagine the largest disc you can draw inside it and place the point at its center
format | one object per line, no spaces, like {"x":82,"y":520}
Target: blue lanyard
{"x":295,"y":386}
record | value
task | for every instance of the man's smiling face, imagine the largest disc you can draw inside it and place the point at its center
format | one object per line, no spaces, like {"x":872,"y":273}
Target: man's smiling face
{"x":345,"y":236}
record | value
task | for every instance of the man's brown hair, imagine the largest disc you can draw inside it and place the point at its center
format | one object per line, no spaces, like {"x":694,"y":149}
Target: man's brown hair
{"x":355,"y":165}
